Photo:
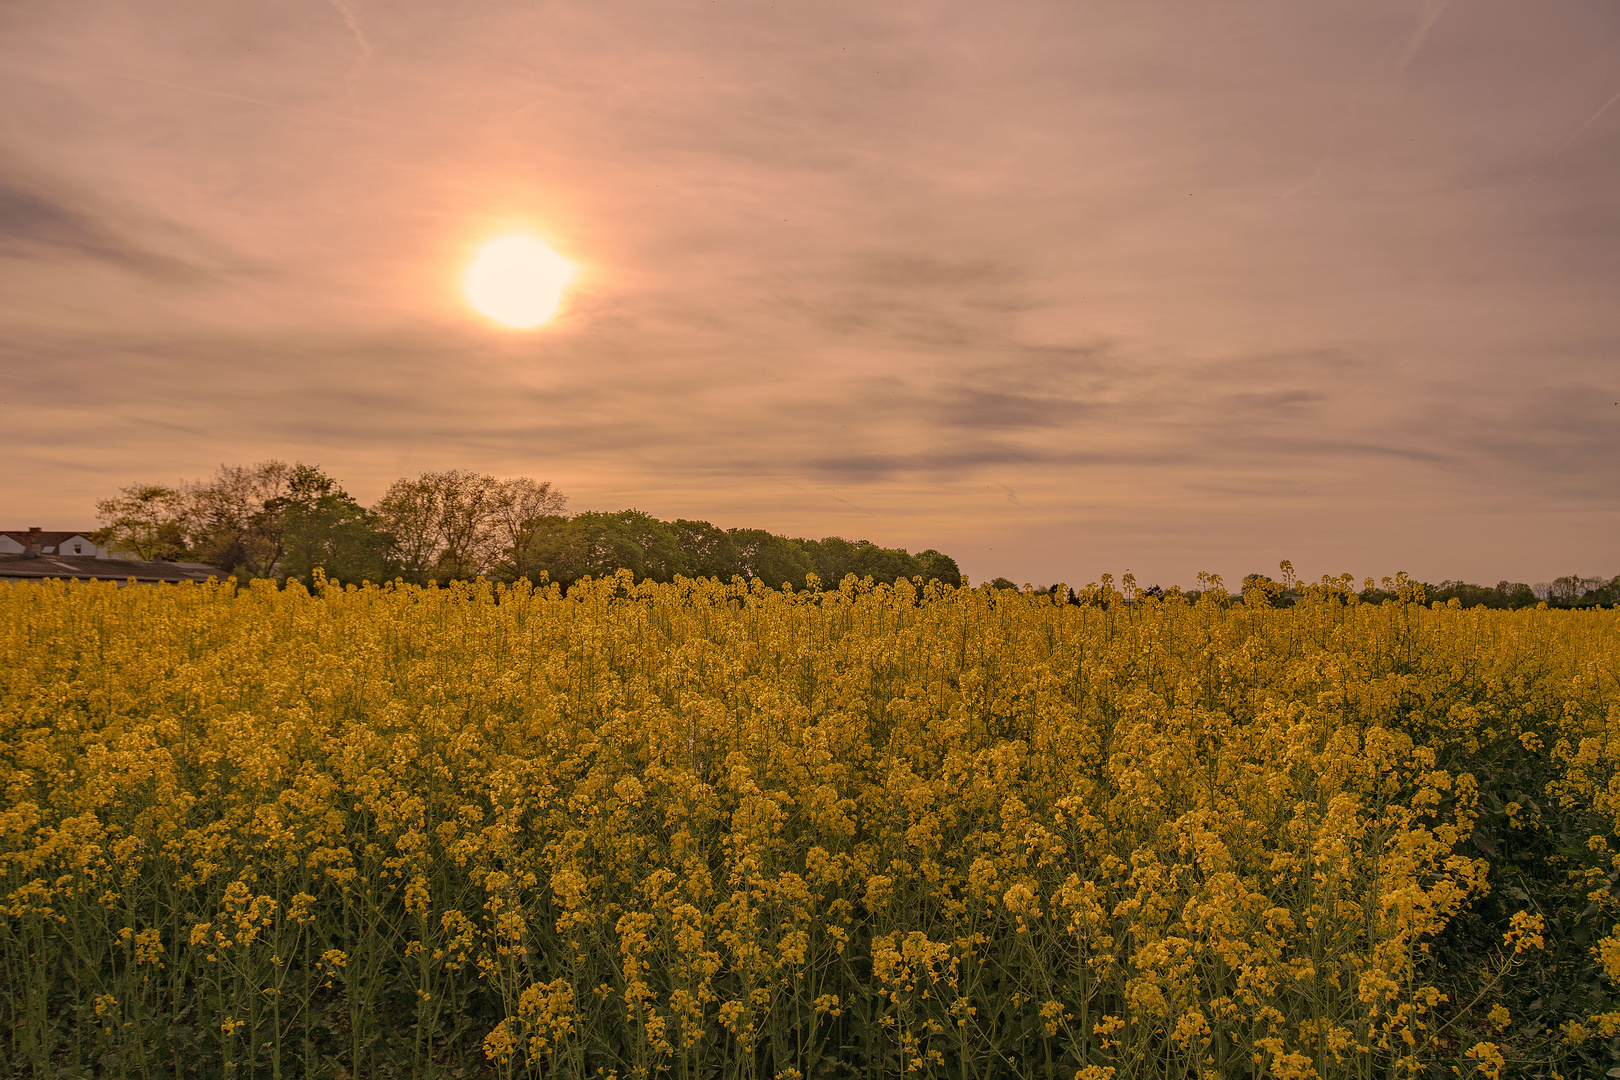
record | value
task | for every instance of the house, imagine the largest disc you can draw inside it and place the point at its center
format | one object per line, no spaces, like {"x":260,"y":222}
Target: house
{"x":36,"y":554}
{"x":40,"y":542}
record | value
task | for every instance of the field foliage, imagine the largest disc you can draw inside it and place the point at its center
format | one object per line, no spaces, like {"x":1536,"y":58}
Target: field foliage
{"x":717,"y":830}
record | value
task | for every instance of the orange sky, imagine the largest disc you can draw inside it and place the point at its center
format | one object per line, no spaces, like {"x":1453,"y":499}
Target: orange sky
{"x":1059,"y":288}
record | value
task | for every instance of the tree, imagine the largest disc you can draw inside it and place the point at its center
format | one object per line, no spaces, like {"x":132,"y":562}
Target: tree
{"x":706,"y":550}
{"x":773,"y":559}
{"x":554,"y":546}
{"x":467,"y":525}
{"x":934,"y":566}
{"x":1606,"y":592}
{"x":461,"y":524}
{"x":441,"y":523}
{"x":246,"y":519}
{"x":1574,"y":590}
{"x":325,"y":529}
{"x":520,"y":506}
{"x":605,"y":546}
{"x":409,"y":512}
{"x":234,"y":520}
{"x":626,"y":540}
{"x":1516,"y":594}
{"x":661,"y":554}
{"x":147,"y":519}
{"x":280,"y":521}
{"x":834,"y":557}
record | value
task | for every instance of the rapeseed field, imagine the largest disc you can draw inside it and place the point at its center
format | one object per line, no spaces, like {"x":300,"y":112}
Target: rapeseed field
{"x":702,"y":829}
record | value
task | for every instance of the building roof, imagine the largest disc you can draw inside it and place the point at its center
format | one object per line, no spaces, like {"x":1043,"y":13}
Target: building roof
{"x":48,"y":539}
{"x":86,"y":567}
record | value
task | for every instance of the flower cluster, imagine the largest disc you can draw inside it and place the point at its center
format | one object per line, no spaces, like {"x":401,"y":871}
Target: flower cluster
{"x":713,"y":829}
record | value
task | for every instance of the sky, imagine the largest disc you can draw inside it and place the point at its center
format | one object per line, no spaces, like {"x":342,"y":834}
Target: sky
{"x":1059,"y":288}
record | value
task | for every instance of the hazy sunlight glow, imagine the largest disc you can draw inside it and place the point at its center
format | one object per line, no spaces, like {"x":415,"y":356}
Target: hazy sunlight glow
{"x":518,"y":281}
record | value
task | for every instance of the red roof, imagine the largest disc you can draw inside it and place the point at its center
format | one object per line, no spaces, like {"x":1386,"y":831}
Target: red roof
{"x":49,"y":539}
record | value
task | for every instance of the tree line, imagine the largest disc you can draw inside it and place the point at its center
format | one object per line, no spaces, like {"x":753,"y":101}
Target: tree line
{"x":1569,"y":591}
{"x":284,"y":522}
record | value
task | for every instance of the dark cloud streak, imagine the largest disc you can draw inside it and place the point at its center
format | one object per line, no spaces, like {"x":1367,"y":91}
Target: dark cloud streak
{"x":34,"y":225}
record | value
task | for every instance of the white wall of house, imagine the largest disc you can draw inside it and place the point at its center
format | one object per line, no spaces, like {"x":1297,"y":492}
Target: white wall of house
{"x":77,"y":545}
{"x":81,"y":545}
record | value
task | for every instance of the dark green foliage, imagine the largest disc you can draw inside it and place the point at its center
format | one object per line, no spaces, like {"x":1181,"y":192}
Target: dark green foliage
{"x":935,"y":566}
{"x":1548,"y":851}
{"x":1506,"y":594}
{"x":554,"y":548}
{"x":324,"y":528}
{"x":289,"y":522}
{"x":773,"y":559}
{"x":1574,"y":591}
{"x":706,"y":550}
{"x":1565,"y":592}
{"x":629,"y":540}
{"x":834,"y":557}
{"x":598,"y":544}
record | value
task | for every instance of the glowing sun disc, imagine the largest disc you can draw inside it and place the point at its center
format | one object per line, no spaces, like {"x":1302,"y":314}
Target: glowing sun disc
{"x":518,"y":281}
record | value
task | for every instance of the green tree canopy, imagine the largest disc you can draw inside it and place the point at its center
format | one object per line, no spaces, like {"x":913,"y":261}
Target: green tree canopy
{"x":706,"y":550}
{"x":147,"y":519}
{"x":325,"y":529}
{"x":605,"y":543}
{"x":274,"y":520}
{"x":773,"y":559}
{"x":234,"y":520}
{"x":938,"y":567}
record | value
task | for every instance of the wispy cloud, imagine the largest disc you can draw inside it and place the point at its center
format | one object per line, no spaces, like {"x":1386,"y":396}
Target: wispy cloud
{"x":37,"y":224}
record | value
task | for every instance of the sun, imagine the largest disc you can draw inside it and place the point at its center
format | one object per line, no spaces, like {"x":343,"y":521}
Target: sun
{"x":518,"y":281}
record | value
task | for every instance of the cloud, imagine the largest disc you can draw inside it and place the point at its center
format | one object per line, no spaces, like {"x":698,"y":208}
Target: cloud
{"x":990,"y":410}
{"x":964,"y":460}
{"x":36,"y":225}
{"x":913,"y":298}
{"x":1560,"y":438}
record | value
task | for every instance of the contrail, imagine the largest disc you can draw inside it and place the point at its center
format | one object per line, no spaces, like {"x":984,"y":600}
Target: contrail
{"x":360,"y":39}
{"x":1399,"y":364}
{"x":1537,"y":169}
{"x":1430,"y":17}
{"x":1589,"y":122}
{"x":1430,"y":13}
{"x":1316,"y":175}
